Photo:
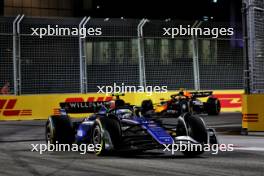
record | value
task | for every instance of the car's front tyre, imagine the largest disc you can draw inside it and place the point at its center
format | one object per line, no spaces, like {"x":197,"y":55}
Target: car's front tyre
{"x":197,"y":130}
{"x":59,"y":129}
{"x":106,"y":135}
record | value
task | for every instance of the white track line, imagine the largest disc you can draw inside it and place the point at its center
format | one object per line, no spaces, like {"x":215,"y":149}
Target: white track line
{"x":260,"y":149}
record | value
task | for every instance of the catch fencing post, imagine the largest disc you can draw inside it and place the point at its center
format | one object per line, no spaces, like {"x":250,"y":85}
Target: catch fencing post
{"x":16,"y":54}
{"x":141,"y":54}
{"x":82,"y":55}
{"x":196,"y":70}
{"x":245,"y":50}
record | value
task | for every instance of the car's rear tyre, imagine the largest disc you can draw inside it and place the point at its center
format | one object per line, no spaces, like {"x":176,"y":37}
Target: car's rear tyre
{"x":196,"y":130}
{"x":213,"y":106}
{"x":106,"y":131}
{"x":184,"y":106}
{"x":59,"y":129}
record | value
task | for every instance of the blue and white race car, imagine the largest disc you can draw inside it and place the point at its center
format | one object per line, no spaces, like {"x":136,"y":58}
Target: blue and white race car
{"x":117,"y":126}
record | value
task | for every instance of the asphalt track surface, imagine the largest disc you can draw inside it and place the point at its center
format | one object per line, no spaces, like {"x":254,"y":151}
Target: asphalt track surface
{"x":16,"y":157}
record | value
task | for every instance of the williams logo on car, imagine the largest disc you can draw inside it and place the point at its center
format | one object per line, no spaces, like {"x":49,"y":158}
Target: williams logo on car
{"x":7,"y":108}
{"x":56,"y":111}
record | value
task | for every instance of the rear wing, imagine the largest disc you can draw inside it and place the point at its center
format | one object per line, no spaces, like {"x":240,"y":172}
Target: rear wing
{"x":201,"y":94}
{"x":196,"y":94}
{"x":83,"y":107}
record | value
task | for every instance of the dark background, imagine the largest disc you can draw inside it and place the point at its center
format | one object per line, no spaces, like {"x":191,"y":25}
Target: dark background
{"x":213,"y":10}
{"x":220,"y":10}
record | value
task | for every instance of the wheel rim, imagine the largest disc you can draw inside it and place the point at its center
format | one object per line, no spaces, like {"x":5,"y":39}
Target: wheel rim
{"x":189,"y":129}
{"x":48,"y":133}
{"x":97,"y":138}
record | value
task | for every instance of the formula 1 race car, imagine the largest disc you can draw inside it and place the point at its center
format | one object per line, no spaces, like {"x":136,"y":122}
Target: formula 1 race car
{"x":185,"y":101}
{"x":116,"y":126}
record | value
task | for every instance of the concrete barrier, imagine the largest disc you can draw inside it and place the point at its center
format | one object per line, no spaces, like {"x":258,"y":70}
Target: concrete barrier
{"x":30,"y":107}
{"x":253,"y":113}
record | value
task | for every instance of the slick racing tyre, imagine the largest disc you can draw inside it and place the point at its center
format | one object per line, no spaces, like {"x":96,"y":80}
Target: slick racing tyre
{"x":197,"y":130}
{"x":59,"y":129}
{"x":213,"y":106}
{"x":106,"y":134}
{"x":184,"y":106}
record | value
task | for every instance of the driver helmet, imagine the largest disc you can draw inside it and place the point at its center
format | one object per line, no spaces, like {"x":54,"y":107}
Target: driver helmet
{"x":116,"y":103}
{"x":187,"y":94}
